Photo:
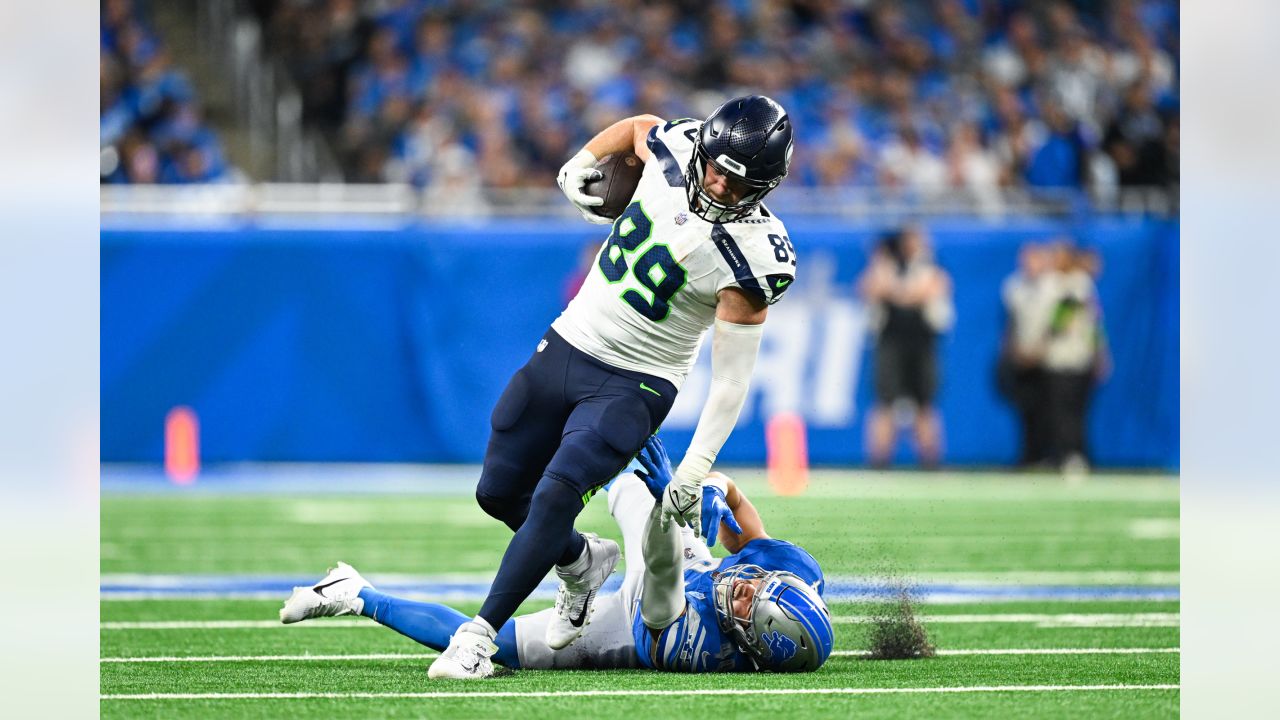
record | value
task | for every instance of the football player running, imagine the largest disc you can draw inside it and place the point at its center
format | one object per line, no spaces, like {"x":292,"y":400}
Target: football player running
{"x":694,"y":249}
{"x":679,"y":609}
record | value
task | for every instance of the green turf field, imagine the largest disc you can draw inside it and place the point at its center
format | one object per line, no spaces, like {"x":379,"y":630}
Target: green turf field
{"x":218,"y":656}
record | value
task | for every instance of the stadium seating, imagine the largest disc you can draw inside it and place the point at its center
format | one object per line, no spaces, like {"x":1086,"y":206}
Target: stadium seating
{"x":1048,"y":95}
{"x":150,"y":126}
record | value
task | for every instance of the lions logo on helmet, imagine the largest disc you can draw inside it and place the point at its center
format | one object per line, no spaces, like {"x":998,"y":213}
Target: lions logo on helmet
{"x":788,"y":627}
{"x":781,"y":647}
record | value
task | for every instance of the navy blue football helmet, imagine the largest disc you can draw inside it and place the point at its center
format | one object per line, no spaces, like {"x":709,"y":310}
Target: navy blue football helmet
{"x":747,"y":139}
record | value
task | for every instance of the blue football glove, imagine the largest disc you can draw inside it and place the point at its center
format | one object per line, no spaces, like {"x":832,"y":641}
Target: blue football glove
{"x":715,"y":509}
{"x":657,"y":467}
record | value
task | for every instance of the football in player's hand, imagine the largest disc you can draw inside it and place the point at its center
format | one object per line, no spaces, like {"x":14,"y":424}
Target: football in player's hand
{"x":620,"y":174}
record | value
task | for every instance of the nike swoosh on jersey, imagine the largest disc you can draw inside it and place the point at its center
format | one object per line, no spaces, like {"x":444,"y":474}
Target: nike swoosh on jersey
{"x":649,"y":389}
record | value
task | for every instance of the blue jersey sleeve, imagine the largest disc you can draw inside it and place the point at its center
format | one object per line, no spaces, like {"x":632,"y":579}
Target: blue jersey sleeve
{"x":773,"y":554}
{"x":694,"y":643}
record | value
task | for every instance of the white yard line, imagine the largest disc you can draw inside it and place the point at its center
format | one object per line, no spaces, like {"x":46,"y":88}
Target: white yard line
{"x":1044,"y":651}
{"x":231,"y":624}
{"x":268,"y":658}
{"x":1155,"y":528}
{"x":170,"y":581}
{"x":1042,"y":577}
{"x":429,"y":655}
{"x":701,"y":692}
{"x":196,"y":596}
{"x":1044,"y":620}
{"x":934,"y":599}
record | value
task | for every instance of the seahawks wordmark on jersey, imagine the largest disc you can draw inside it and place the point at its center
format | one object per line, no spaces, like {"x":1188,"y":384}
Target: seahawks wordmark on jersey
{"x":651,"y":295}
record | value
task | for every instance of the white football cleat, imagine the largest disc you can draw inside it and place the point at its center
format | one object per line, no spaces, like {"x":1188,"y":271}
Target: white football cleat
{"x":577,"y":592}
{"x":466,"y":658}
{"x":336,"y":594}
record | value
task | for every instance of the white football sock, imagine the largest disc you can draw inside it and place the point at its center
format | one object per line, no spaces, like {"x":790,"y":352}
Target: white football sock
{"x":579,"y":566}
{"x":480,"y":626}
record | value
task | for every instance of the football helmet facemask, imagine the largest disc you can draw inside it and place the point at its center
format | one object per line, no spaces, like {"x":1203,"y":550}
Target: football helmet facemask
{"x":788,"y":627}
{"x":749,"y":140}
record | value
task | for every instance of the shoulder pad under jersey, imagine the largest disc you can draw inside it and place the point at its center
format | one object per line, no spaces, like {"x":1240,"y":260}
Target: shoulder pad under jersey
{"x":671,"y":144}
{"x":759,"y":253}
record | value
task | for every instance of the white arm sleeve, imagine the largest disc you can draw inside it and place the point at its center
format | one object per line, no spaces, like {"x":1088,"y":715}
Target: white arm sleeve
{"x":733,"y":358}
{"x":662,"y":598}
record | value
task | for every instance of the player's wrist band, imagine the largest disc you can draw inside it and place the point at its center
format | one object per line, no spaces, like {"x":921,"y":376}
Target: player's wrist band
{"x":696,"y":464}
{"x":718,"y":483}
{"x":585,"y":158}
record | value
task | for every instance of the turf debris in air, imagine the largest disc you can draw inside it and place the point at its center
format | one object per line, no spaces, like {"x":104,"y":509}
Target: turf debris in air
{"x":894,"y":632}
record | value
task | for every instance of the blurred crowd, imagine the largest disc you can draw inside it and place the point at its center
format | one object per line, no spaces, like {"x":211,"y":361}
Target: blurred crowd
{"x":922,"y":96}
{"x":150,"y":125}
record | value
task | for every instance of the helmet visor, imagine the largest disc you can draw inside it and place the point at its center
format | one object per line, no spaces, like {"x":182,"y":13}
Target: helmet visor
{"x":739,"y":196}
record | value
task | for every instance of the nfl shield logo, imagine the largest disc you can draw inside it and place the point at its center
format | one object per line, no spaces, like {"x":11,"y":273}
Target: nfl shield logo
{"x":680,"y":218}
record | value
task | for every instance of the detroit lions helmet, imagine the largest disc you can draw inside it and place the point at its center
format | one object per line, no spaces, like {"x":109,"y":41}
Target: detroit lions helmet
{"x":747,"y":139}
{"x":787,"y":629}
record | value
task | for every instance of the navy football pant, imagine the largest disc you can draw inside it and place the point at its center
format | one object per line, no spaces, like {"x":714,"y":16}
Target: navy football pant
{"x":564,"y":426}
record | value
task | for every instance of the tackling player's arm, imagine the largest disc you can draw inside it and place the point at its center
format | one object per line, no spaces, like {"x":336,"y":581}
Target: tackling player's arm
{"x":750,"y":524}
{"x":739,"y":327}
{"x":624,"y":135}
{"x":662,"y":595}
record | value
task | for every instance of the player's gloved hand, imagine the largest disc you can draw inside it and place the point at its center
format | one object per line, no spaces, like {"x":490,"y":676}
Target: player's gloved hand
{"x":682,"y":501}
{"x":715,"y":508}
{"x":580,"y":169}
{"x":657,"y":467}
{"x":680,"y":492}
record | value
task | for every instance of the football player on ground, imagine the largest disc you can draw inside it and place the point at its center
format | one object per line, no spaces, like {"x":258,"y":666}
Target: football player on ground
{"x":694,"y":249}
{"x":679,"y":609}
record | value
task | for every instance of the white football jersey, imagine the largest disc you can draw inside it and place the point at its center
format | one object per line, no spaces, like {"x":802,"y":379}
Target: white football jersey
{"x":651,"y":294}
